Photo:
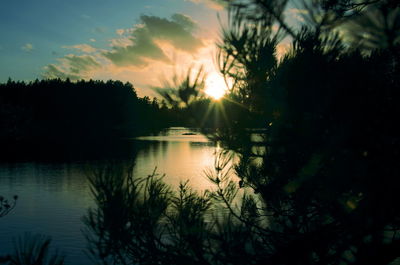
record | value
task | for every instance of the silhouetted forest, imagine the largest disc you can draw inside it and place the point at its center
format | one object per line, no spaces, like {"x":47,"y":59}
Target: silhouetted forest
{"x":60,"y":116}
{"x":54,"y":116}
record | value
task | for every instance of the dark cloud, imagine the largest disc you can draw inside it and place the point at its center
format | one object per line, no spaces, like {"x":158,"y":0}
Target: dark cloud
{"x":53,"y":71}
{"x":178,"y":31}
{"x":185,"y":21}
{"x":72,"y":66}
{"x":143,"y":45}
{"x":78,"y":64}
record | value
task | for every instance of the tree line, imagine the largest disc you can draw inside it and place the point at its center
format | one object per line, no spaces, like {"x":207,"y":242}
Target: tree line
{"x":55,"y":115}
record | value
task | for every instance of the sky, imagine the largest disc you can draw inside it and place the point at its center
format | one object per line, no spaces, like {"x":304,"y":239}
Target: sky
{"x":143,"y":42}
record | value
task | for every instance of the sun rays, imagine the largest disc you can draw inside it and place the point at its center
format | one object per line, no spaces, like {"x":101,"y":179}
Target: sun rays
{"x":215,"y":86}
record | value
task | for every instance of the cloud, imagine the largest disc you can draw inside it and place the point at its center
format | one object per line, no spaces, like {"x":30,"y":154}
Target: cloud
{"x":54,"y":71}
{"x":120,"y":32}
{"x":136,"y":50}
{"x":145,"y":40}
{"x":185,"y":21}
{"x":213,"y":4}
{"x":28,"y":47}
{"x":178,"y":31}
{"x":78,"y":64}
{"x":141,"y":54}
{"x":72,"y":66}
{"x":121,"y":42}
{"x":82,"y":47}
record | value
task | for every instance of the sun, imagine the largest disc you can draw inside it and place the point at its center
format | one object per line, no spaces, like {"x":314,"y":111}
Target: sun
{"x":215,"y":86}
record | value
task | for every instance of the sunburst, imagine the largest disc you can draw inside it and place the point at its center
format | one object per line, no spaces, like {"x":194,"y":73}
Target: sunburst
{"x":215,"y":86}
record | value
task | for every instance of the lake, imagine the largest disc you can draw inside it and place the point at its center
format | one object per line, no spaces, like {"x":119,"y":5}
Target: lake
{"x":54,"y":196}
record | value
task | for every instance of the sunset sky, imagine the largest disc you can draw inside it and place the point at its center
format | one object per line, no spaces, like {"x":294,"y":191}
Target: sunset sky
{"x":143,"y":42}
{"x":137,"y":41}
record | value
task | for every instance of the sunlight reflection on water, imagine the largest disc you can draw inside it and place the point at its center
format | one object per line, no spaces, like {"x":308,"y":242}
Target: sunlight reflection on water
{"x":180,"y":157}
{"x":53,"y":197}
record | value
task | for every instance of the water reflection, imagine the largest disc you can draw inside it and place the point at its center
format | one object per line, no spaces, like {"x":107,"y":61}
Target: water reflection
{"x":53,"y":197}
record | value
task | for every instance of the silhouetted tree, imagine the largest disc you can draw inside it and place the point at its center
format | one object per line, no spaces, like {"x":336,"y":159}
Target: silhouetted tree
{"x":183,"y":90}
{"x":141,"y":221}
{"x":32,"y":250}
{"x":324,"y":181}
{"x":321,"y":175}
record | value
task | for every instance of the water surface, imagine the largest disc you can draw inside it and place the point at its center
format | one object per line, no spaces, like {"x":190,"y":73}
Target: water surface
{"x":53,"y":197}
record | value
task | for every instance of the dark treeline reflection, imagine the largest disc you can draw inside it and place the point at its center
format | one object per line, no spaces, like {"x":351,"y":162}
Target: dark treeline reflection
{"x":88,"y":118}
{"x":56,"y":116}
